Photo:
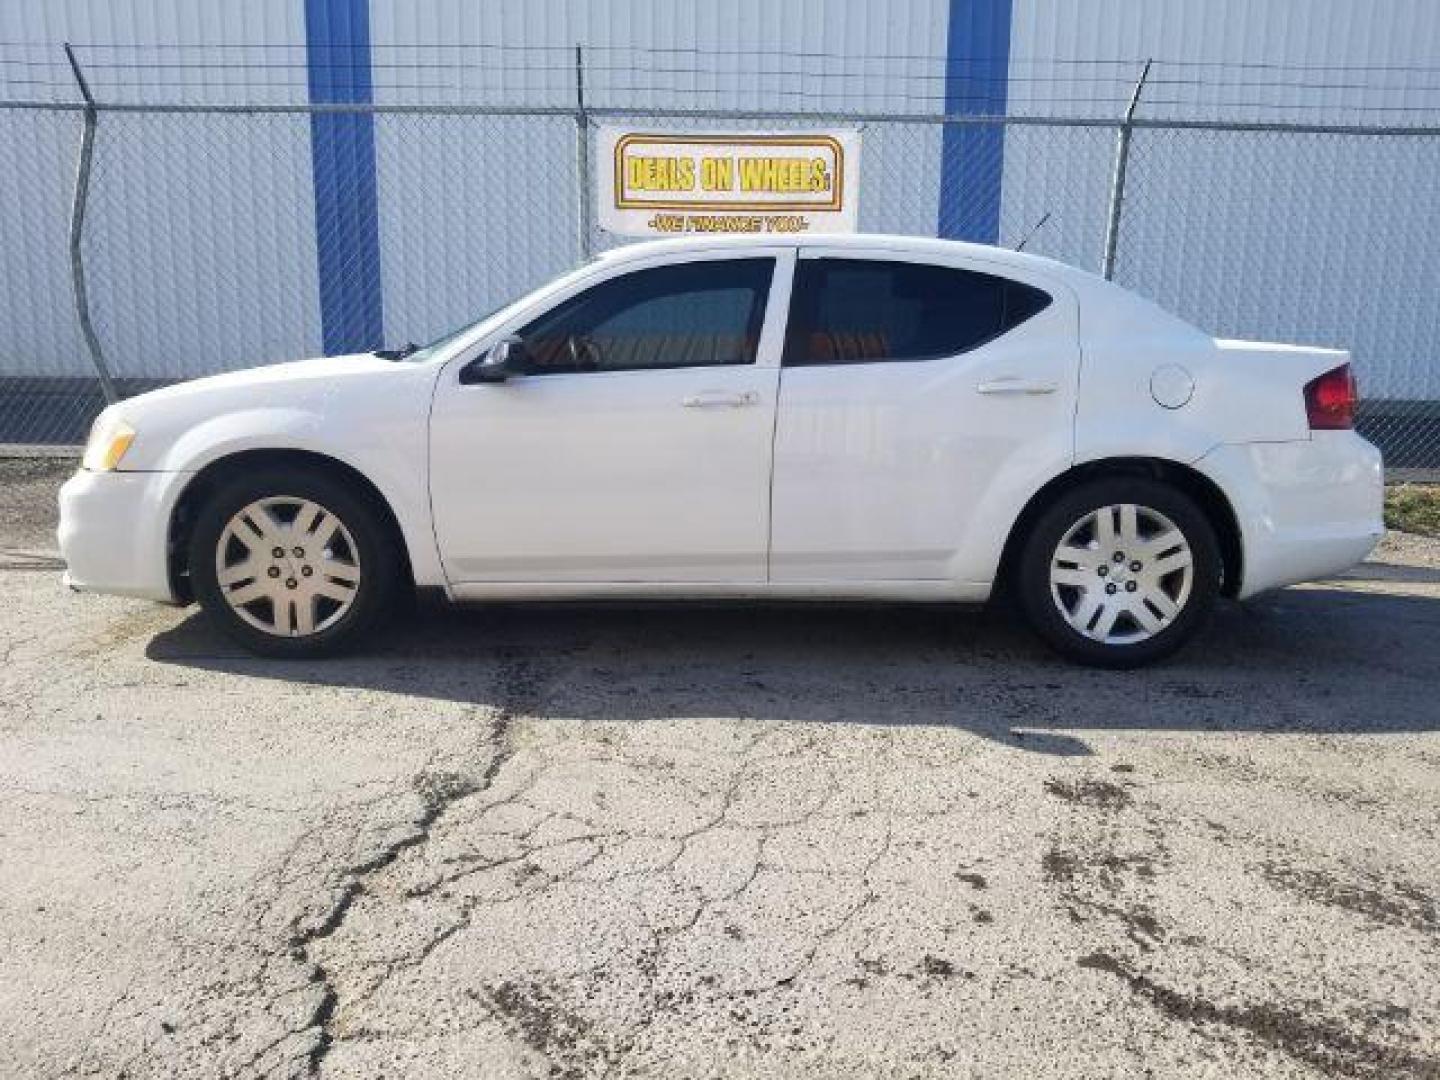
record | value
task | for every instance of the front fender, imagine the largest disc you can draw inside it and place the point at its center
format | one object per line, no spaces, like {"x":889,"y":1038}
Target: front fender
{"x":263,"y":428}
{"x":395,"y":466}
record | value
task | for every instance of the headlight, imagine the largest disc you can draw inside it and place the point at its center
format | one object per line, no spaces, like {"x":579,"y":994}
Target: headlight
{"x":109,"y":439}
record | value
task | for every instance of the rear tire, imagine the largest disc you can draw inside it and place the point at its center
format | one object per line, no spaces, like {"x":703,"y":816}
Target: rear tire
{"x":293,"y":564}
{"x":1119,"y":572}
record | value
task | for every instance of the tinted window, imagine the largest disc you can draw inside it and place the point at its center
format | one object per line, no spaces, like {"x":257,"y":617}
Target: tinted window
{"x":690,"y":315}
{"x":850,"y":311}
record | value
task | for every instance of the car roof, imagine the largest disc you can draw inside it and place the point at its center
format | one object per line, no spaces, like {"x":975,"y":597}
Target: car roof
{"x":920,"y":245}
{"x":1123,"y":311}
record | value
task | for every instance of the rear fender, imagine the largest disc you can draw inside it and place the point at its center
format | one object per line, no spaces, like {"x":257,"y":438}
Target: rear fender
{"x":1231,"y":392}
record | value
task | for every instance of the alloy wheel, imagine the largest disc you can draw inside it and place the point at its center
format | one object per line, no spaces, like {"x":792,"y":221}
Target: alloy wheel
{"x":1121,"y":574}
{"x":288,"y":566}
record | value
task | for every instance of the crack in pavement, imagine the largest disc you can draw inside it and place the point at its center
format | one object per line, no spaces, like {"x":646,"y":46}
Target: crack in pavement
{"x":716,"y":847}
{"x":509,"y":994}
{"x":605,"y":1048}
{"x":256,"y":1001}
{"x":438,"y":791}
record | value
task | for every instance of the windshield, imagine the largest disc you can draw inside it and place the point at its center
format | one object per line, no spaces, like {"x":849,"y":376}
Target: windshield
{"x":417,"y":354}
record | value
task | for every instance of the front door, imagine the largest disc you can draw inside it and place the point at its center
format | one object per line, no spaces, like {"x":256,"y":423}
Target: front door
{"x":635,"y":443}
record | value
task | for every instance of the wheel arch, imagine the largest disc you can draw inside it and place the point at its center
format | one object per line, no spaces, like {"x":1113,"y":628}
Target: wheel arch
{"x":209,"y":479}
{"x":1208,"y":495}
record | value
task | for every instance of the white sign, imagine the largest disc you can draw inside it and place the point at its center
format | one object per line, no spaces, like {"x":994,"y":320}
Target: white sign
{"x":669,"y":183}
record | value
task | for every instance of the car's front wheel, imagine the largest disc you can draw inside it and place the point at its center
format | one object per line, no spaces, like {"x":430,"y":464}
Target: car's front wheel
{"x":292,"y":564}
{"x":1119,"y":572}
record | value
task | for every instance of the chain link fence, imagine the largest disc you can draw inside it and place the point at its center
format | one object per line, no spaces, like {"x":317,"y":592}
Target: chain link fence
{"x":199,"y":243}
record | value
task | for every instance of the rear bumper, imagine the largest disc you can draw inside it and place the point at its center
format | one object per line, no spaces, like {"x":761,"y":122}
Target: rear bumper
{"x":112,"y":534}
{"x":1306,"y":509}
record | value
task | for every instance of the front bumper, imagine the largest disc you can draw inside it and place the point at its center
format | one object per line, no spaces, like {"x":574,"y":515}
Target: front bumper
{"x":1306,"y":509}
{"x":112,"y":533}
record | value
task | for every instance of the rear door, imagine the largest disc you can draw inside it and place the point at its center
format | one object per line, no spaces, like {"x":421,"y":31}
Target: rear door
{"x":910,"y":389}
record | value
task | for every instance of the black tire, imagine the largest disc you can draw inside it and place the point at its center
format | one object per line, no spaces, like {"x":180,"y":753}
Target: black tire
{"x":1042,"y":609}
{"x":375,"y":551}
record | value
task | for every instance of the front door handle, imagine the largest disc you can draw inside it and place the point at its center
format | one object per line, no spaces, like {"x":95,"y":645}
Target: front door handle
{"x":1013,"y":384}
{"x":715,"y":399}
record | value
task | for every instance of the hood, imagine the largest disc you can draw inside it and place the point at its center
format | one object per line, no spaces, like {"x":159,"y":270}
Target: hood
{"x":277,"y":396}
{"x":270,"y":376}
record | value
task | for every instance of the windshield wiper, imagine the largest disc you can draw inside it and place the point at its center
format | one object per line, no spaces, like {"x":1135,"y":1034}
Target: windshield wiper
{"x":398,"y":354}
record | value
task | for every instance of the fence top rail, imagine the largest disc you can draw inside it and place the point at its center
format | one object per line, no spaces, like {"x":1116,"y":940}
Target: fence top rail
{"x":758,"y":115}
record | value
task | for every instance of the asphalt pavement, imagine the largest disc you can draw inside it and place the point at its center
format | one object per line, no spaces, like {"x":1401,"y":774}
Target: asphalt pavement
{"x":717,"y":841}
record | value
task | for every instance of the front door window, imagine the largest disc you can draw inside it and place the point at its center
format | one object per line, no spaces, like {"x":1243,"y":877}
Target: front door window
{"x":700,"y":314}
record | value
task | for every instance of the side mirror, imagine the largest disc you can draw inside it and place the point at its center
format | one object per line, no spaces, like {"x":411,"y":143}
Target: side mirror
{"x":497,"y":364}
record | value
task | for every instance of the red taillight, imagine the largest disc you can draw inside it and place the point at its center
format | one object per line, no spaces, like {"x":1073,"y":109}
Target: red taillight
{"x":1330,"y":400}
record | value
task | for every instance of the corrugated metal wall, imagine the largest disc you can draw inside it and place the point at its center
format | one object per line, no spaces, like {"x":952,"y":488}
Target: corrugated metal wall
{"x":201,"y":228}
{"x":752,"y":54}
{"x":1225,"y":58}
{"x":157,"y":50}
{"x":1291,"y":238}
{"x":204,"y":229}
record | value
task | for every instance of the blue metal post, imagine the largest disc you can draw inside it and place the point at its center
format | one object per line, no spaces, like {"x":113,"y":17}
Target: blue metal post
{"x":342,"y":150}
{"x":977,"y":73}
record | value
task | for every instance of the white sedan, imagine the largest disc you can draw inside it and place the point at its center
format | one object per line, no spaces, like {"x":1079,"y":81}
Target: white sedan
{"x":861,"y":418}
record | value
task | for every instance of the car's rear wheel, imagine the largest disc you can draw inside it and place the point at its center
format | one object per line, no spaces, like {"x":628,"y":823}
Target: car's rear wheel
{"x":1119,"y":572}
{"x":292,"y":564}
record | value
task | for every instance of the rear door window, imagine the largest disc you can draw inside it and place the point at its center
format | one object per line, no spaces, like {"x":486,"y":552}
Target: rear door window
{"x":855,"y":311}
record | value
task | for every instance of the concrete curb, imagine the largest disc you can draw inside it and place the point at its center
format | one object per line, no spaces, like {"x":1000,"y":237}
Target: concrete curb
{"x":25,"y":450}
{"x":1412,"y":476}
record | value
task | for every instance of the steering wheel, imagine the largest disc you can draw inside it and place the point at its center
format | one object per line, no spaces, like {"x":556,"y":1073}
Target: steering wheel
{"x":584,"y":353}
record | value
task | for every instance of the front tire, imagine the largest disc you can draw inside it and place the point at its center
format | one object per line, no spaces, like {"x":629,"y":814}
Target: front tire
{"x":292,"y":564}
{"x":1119,"y":572}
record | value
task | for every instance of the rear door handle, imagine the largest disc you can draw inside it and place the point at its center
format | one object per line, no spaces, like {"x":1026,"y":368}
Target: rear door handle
{"x":1013,"y":384}
{"x":715,"y":399}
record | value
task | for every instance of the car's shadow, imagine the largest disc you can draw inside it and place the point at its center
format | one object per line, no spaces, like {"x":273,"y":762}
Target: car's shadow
{"x":1307,"y":660}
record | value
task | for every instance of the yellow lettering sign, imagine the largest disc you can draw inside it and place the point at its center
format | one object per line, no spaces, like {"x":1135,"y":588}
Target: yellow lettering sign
{"x":661,"y":173}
